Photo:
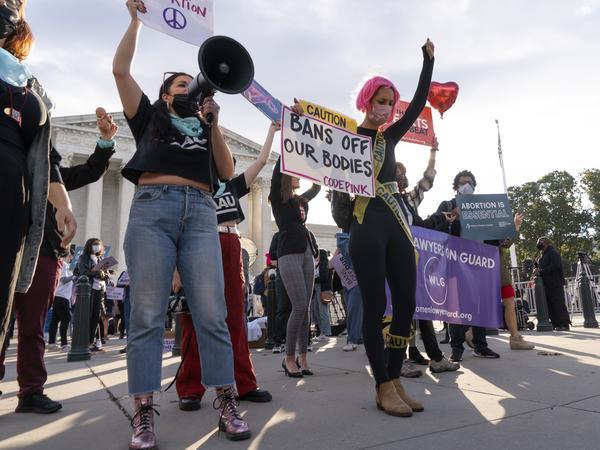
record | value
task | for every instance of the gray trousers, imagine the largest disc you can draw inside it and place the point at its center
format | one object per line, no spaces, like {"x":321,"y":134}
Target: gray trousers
{"x":298,"y":275}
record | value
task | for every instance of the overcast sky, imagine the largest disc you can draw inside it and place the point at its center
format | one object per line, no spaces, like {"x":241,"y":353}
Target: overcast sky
{"x":531,"y":65}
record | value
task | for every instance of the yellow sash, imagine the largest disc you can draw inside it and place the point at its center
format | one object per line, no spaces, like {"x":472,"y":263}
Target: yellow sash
{"x":384,"y":191}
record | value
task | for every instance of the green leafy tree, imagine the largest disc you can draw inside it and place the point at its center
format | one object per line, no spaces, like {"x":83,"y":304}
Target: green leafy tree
{"x":552,"y":207}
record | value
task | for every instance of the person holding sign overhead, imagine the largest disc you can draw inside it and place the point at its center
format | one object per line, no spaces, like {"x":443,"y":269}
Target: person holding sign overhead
{"x":296,"y":250}
{"x":381,"y":243}
{"x":177,"y":166}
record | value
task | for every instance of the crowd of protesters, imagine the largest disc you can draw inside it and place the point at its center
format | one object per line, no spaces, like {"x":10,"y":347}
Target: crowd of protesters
{"x":187,"y":203}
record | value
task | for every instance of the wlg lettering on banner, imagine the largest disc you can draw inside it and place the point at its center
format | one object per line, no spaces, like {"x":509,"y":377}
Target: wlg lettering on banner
{"x":326,"y":154}
{"x":187,"y":20}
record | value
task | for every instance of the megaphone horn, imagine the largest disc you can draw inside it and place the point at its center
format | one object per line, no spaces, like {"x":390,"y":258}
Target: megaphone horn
{"x":225,"y":65}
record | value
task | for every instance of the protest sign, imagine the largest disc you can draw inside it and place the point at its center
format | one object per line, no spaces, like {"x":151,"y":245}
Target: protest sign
{"x":190,"y":21}
{"x":263,"y":101}
{"x":458,"y":280}
{"x":326,"y":154}
{"x":123,"y":279}
{"x":115,"y":293}
{"x":422,"y":130}
{"x":329,"y":116}
{"x":344,"y":271}
{"x":106,"y":263}
{"x":486,"y":217}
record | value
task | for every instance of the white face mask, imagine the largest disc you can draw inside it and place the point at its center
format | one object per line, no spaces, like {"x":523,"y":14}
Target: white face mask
{"x":95,"y":248}
{"x":466,"y":189}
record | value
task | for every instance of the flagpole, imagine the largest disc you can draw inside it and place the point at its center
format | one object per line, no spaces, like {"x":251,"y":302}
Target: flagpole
{"x":513,"y":250}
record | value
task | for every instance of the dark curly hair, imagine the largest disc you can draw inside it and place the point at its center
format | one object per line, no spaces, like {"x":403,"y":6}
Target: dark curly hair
{"x":463,"y":173}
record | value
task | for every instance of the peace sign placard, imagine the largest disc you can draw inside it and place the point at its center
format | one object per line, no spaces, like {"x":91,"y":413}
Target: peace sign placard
{"x":187,"y":20}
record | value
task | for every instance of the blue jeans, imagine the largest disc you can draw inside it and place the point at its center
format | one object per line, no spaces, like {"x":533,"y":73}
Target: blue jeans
{"x":319,"y":312}
{"x":352,"y":297}
{"x":173,"y":226}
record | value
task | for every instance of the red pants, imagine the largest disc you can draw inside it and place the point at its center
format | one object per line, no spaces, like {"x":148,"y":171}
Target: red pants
{"x":32,"y":309}
{"x":189,"y":379}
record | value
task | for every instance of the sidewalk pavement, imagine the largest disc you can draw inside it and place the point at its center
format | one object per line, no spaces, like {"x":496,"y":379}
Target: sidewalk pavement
{"x":524,"y":399}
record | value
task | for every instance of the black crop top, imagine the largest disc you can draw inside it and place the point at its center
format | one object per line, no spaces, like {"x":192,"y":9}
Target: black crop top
{"x":228,"y":202}
{"x":184,"y":156}
{"x":396,"y":131}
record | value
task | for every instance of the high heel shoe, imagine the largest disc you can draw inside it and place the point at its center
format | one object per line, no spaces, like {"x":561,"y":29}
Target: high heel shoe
{"x":290,"y":374}
{"x":303,"y":371}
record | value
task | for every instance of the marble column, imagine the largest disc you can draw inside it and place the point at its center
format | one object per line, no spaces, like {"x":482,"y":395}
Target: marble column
{"x":244,"y":225}
{"x":126,"y":191}
{"x":267,"y":232}
{"x":257,"y":224}
{"x":93,"y":213}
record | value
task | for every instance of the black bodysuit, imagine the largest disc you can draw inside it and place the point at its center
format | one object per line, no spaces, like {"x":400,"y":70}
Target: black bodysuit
{"x":381,"y":250}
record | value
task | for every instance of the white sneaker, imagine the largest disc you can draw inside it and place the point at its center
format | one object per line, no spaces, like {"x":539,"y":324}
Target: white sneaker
{"x":443,"y":365}
{"x":65,"y":348}
{"x":53,"y":348}
{"x":350,"y":347}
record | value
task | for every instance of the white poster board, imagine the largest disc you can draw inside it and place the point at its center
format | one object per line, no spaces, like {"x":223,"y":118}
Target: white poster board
{"x":187,"y":20}
{"x":326,"y":154}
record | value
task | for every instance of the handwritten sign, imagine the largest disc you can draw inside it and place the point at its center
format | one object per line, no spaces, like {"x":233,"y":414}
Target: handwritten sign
{"x":190,"y":21}
{"x":326,"y":154}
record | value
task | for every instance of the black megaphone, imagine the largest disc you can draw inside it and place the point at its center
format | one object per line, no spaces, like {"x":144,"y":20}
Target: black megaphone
{"x":225,"y":65}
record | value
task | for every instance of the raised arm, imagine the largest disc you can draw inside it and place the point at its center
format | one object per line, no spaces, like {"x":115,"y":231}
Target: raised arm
{"x":275,"y":194}
{"x":399,"y":129}
{"x":95,"y":167}
{"x":418,"y":192}
{"x":311,"y":193}
{"x":129,"y":91}
{"x":252,"y":172}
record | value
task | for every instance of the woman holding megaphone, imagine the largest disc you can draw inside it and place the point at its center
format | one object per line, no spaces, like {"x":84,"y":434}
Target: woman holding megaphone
{"x":381,"y":245}
{"x":172,"y":223}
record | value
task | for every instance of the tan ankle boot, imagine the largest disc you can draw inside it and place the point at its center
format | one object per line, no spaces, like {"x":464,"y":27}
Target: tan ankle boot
{"x":411,"y":402}
{"x":389,"y":401}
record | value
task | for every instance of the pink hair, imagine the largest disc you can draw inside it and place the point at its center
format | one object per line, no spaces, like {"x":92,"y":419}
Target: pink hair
{"x":368,"y":91}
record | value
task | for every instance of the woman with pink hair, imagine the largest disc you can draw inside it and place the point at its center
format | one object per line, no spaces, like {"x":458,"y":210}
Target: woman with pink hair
{"x":381,"y":244}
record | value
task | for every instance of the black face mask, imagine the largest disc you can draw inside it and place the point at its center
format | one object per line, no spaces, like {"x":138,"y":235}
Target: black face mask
{"x":184,"y":106}
{"x":540,"y":246}
{"x":8,"y":21}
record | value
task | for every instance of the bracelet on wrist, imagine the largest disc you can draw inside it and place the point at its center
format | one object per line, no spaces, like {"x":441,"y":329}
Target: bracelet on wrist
{"x":105,"y":143}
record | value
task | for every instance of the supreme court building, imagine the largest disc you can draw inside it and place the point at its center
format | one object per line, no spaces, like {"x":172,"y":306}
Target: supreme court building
{"x":102,"y":208}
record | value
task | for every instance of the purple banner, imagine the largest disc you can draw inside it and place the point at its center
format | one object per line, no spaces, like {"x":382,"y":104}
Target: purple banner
{"x":458,"y":280}
{"x":265,"y":102}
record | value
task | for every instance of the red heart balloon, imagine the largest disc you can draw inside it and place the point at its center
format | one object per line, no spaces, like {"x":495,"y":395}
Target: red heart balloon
{"x":442,"y":95}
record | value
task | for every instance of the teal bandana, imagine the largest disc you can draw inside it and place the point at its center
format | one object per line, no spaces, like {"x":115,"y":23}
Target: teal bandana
{"x":188,"y":126}
{"x":12,"y":71}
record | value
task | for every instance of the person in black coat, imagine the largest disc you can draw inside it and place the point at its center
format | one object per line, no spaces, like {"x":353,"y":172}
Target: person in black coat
{"x":551,"y":270}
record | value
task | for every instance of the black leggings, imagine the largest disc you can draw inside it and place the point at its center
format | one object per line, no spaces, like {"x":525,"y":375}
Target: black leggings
{"x":95,"y":321}
{"x":380,"y":250}
{"x":61,"y":313}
